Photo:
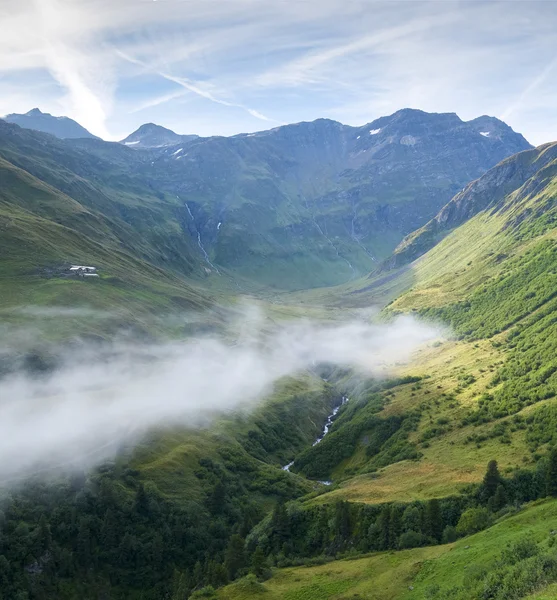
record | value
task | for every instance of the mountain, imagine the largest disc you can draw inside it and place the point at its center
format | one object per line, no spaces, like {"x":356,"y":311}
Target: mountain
{"x":321,"y":203}
{"x":61,"y":127}
{"x":484,"y":193}
{"x":61,"y":205}
{"x":298,"y":206}
{"x":155,"y":136}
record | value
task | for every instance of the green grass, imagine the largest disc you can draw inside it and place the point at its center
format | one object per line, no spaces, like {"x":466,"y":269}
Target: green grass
{"x":287,"y":420}
{"x":390,"y":575}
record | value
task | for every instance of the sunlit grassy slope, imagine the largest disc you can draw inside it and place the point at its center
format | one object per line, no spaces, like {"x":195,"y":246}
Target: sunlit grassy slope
{"x":492,"y":281}
{"x":406,"y":574}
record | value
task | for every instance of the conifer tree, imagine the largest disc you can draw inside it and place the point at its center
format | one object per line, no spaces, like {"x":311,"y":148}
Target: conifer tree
{"x":551,"y":473}
{"x":499,"y":500}
{"x":491,"y":481}
{"x":84,"y":543}
{"x":109,"y":530}
{"x":141,"y":504}
{"x":197,"y":576}
{"x":434,"y":519}
{"x":395,"y":524}
{"x":258,"y":563}
{"x":342,"y":520}
{"x":235,"y":556}
{"x":384,"y":527}
{"x":280,"y":525}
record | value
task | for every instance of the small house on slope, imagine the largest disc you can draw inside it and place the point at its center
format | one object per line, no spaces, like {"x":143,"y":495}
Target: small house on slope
{"x":82,"y":271}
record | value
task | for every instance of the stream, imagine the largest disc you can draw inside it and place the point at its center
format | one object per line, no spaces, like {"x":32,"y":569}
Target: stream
{"x":326,"y":428}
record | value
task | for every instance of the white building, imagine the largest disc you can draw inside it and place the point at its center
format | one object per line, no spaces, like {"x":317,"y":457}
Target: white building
{"x":83,"y":271}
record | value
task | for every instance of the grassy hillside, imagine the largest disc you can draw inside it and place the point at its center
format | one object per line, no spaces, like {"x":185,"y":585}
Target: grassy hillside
{"x":406,"y":457}
{"x":44,"y":231}
{"x":490,"y":390}
{"x":458,"y":570}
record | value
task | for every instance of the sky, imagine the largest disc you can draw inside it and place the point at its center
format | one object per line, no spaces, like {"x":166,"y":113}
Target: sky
{"x":221,"y":67}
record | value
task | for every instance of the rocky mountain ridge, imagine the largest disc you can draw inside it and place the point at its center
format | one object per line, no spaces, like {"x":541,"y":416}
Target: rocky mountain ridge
{"x":61,"y":127}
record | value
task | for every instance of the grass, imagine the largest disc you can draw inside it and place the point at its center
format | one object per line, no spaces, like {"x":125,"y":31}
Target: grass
{"x":406,"y":574}
{"x":295,"y":410}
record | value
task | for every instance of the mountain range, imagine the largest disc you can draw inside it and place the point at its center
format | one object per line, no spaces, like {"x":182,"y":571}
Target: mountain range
{"x":298,"y":206}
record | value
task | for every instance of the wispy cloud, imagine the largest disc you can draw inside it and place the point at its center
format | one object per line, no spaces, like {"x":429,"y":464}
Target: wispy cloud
{"x":192,"y":86}
{"x":529,"y":89}
{"x":74,"y":68}
{"x":290,"y":61}
{"x":158,"y":100}
{"x":305,"y":69}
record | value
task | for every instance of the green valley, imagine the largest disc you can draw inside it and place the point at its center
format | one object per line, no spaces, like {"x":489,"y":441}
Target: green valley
{"x":436,"y":478}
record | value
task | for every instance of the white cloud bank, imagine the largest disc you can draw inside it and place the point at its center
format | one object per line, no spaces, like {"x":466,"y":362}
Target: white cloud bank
{"x":100,"y":399}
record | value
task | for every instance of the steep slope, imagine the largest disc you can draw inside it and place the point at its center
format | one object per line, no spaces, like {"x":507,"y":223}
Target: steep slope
{"x":295,"y":207}
{"x":498,"y":561}
{"x":155,"y":136}
{"x":44,"y":231}
{"x":61,"y":127}
{"x":479,"y":195}
{"x":100,"y":176}
{"x":493,"y":281}
{"x":318,"y":203}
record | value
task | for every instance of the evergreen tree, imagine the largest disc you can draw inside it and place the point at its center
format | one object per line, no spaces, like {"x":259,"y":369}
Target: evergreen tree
{"x":498,"y":500}
{"x":280,"y":525}
{"x":449,"y":534}
{"x":342,"y":520}
{"x":551,"y":473}
{"x":109,"y":530}
{"x":259,"y":563}
{"x":84,"y":543}
{"x":44,"y":536}
{"x":141,"y":504}
{"x":197,"y":577}
{"x":384,"y":528}
{"x":216,"y":499}
{"x":434,"y":520}
{"x":4,"y":571}
{"x":491,"y":481}
{"x":235,"y":556}
{"x":216,"y":574}
{"x":395,"y":525}
{"x":181,"y":586}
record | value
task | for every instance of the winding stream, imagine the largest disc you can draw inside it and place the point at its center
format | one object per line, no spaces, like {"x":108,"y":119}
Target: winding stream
{"x":326,"y":428}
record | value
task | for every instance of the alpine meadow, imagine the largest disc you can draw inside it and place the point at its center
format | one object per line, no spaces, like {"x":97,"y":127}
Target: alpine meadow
{"x":278,"y":300}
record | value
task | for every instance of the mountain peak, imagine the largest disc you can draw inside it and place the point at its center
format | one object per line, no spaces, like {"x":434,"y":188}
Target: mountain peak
{"x":60,"y":127}
{"x":151,"y":135}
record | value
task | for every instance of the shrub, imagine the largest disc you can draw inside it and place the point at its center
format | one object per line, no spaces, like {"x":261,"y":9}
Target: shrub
{"x":473,"y":520}
{"x":412,"y":539}
{"x":449,"y":534}
{"x":206,"y":592}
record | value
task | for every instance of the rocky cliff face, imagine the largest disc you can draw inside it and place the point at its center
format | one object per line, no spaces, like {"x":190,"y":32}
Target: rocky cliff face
{"x":526,"y":169}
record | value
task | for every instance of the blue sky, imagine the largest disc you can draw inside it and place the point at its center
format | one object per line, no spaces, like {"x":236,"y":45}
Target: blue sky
{"x":230,"y":66}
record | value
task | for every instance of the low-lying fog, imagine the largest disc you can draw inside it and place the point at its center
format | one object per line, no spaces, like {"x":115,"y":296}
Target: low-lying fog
{"x":102,"y":396}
